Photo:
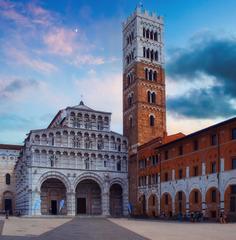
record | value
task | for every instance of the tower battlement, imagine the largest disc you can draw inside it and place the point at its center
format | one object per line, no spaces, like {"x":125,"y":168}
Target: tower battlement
{"x":143,"y":13}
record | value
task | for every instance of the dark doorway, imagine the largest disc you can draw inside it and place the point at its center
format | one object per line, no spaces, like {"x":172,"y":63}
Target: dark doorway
{"x":116,"y":206}
{"x":81,"y":205}
{"x":8,"y":205}
{"x":54,"y":207}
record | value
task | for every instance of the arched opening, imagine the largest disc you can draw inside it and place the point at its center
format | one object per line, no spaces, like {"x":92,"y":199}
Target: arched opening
{"x":152,"y":206}
{"x":142,"y":201}
{"x":166,"y":205}
{"x":195,"y":201}
{"x":152,"y":121}
{"x":116,"y":200}
{"x":230,"y":202}
{"x":212,"y":202}
{"x":8,"y":179}
{"x":88,"y":198}
{"x":8,"y":202}
{"x":180,"y":203}
{"x":53,"y":197}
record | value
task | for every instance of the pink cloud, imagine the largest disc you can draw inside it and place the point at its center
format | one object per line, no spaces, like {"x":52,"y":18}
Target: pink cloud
{"x":61,"y":41}
{"x":22,"y":58}
{"x":88,"y":59}
{"x":15,"y":16}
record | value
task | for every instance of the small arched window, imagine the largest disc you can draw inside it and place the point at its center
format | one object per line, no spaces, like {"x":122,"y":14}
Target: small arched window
{"x":144,"y":32}
{"x":153,"y":97}
{"x":155,"y":75}
{"x":148,"y":53}
{"x":149,"y":96}
{"x":156,"y":55}
{"x":144,"y":52}
{"x":152,"y":55}
{"x":129,"y":80}
{"x":155,"y":36}
{"x":147,"y":33}
{"x":150,"y":75}
{"x":118,"y":166}
{"x":8,"y":179}
{"x":152,"y":120}
{"x":151,"y":34}
{"x":130,"y":122}
{"x":146,"y":73}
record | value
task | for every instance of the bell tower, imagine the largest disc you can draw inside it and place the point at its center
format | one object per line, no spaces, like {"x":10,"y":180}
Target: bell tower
{"x":144,"y":103}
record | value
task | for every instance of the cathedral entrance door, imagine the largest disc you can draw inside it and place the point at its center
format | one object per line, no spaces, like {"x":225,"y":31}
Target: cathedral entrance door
{"x":54,"y":207}
{"x":81,"y":205}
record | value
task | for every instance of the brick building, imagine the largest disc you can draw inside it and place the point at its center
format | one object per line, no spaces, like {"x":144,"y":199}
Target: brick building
{"x":169,"y":174}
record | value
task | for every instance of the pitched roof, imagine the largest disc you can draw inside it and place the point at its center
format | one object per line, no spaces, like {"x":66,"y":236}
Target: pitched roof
{"x":11,"y":146}
{"x":212,"y":127}
{"x":83,"y":107}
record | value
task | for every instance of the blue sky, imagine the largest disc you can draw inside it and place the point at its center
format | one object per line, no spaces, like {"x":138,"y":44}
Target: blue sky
{"x":51,"y":54}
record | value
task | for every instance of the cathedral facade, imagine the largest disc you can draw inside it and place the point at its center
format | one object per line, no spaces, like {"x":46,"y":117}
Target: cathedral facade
{"x":75,"y":166}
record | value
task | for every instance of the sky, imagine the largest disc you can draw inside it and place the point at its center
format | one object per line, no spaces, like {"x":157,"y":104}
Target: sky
{"x":55,"y":53}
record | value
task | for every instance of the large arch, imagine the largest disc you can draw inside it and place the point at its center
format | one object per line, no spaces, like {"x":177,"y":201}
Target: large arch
{"x":180,"y":202}
{"x":152,"y":205}
{"x":57,"y":175}
{"x":230,"y":201}
{"x":88,"y":195}
{"x":166,"y":205}
{"x":142,"y":205}
{"x":195,"y":200}
{"x":212,"y":202}
{"x":116,"y":199}
{"x":92,"y":176}
{"x":53,"y":197}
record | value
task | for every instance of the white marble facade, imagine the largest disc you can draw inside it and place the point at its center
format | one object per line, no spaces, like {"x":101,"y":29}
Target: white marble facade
{"x":77,"y":146}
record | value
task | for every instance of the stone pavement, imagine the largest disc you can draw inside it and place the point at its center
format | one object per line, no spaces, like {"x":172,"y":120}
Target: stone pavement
{"x":83,"y":229}
{"x":96,"y":228}
{"x":173,"y":230}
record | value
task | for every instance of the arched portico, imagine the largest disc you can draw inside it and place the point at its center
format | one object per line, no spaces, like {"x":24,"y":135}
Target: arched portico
{"x":88,"y":196}
{"x":166,"y":205}
{"x":53,"y":197}
{"x":152,"y":205}
{"x":180,"y":203}
{"x":230,"y":201}
{"x":212,"y":202}
{"x":116,"y":200}
{"x":195,"y":200}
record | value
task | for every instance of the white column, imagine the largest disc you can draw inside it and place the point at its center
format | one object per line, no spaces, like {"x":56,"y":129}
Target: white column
{"x":222,"y":164}
{"x":203,"y":169}
{"x":105,"y":204}
{"x":125,"y":203}
{"x":173,"y":204}
{"x":173,"y":174}
{"x":203,"y":202}
{"x":35,"y":203}
{"x":70,"y":203}
{"x":187,"y":203}
{"x":187,"y":172}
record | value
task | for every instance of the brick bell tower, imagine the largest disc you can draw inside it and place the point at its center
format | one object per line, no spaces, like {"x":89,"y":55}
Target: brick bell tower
{"x":144,"y":104}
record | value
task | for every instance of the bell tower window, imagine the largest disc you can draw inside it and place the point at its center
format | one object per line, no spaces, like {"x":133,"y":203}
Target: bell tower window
{"x":152,"y":121}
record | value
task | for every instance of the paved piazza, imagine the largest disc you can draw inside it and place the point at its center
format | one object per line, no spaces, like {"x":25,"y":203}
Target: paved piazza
{"x":113,"y":228}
